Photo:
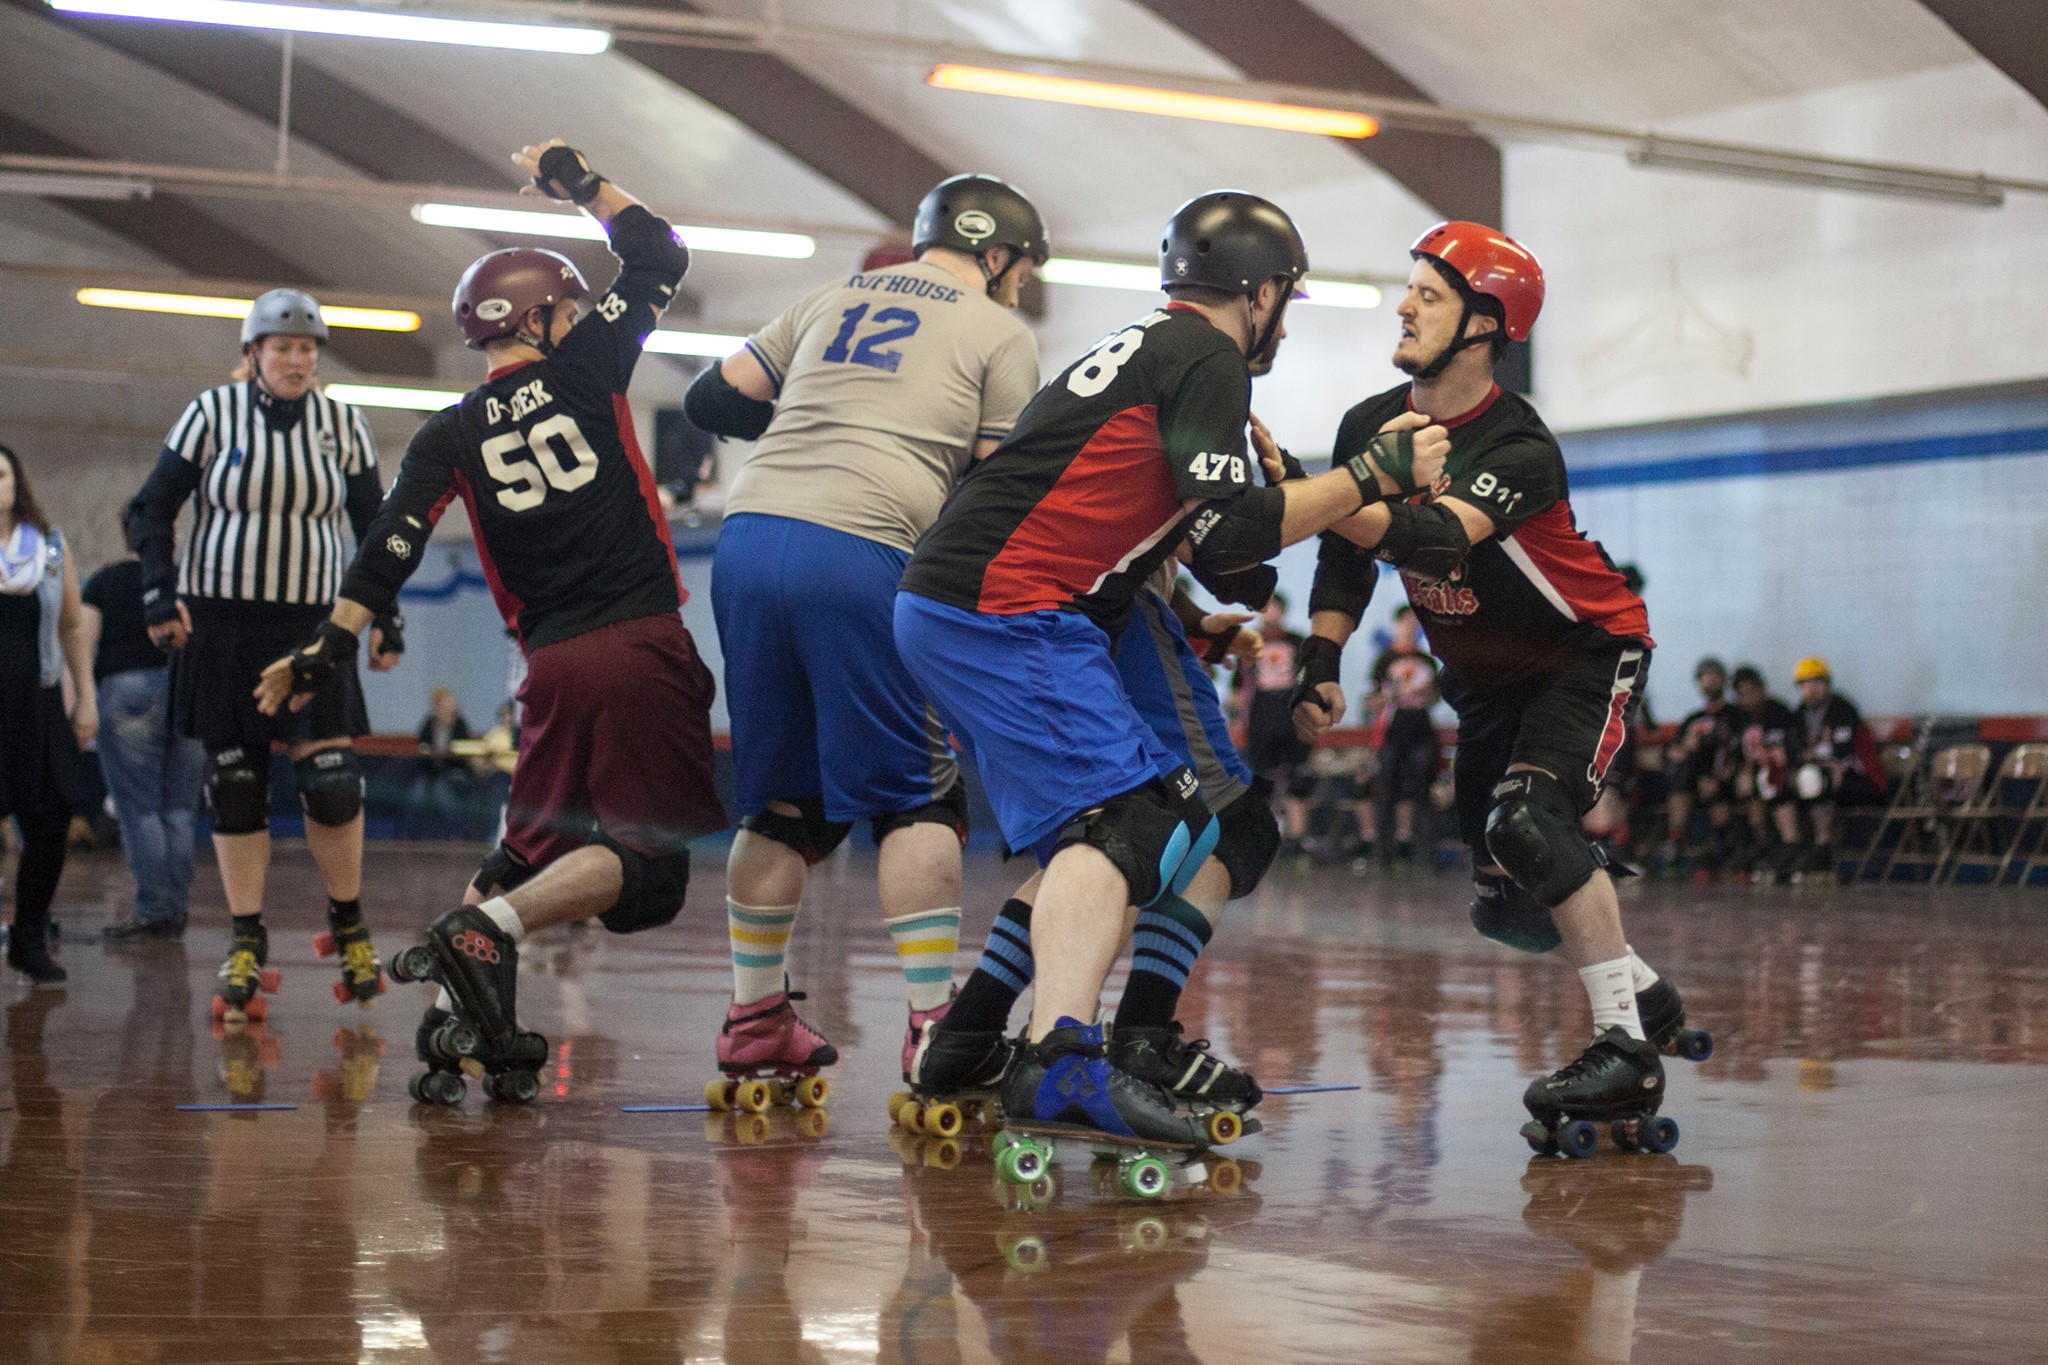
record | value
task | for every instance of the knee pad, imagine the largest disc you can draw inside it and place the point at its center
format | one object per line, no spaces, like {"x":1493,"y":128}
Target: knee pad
{"x":238,"y":791}
{"x":1158,"y":835}
{"x":809,"y":833}
{"x":1507,"y":914}
{"x":330,"y":786}
{"x":949,"y":810}
{"x":502,"y":870}
{"x":1247,"y":839}
{"x":651,"y":889}
{"x":1532,"y":831}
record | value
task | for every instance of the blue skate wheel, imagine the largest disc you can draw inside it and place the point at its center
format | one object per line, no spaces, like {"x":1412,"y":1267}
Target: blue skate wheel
{"x":1695,"y":1045}
{"x":1659,"y":1135}
{"x":1578,"y":1139}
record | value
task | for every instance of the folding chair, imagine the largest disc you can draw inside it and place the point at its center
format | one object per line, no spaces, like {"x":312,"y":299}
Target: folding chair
{"x":2028,"y":763}
{"x":1927,"y":825}
{"x":1981,"y":837}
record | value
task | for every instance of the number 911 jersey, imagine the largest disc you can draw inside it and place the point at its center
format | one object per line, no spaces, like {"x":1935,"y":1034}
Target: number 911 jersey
{"x":1088,"y":495}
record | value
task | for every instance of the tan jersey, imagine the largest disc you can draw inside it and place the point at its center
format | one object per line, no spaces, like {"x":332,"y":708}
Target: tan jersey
{"x":884,"y":383}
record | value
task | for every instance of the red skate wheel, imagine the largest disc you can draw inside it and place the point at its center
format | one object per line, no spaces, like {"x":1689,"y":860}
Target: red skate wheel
{"x":342,"y":993}
{"x":220,"y":1009}
{"x":323,"y":945}
{"x":268,"y":980}
{"x":1224,"y":1127}
{"x":752,"y":1097}
{"x":257,"y":1009}
{"x":812,"y":1091}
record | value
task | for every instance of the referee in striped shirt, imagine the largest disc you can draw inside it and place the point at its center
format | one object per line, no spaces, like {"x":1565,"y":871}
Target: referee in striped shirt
{"x":272,"y":468}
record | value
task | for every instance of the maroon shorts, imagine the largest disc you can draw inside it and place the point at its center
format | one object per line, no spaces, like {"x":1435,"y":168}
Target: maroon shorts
{"x":616,"y":738}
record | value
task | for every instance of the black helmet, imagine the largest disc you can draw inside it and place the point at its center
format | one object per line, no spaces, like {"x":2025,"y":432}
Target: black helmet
{"x":972,"y":213}
{"x":1232,"y":241}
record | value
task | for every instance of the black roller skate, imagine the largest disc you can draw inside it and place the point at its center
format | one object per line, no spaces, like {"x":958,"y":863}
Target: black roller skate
{"x":1618,"y":1080}
{"x":243,"y":976}
{"x":1219,"y":1094}
{"x":1663,"y":1015}
{"x":477,"y":963}
{"x":954,"y":1076}
{"x":362,"y":975}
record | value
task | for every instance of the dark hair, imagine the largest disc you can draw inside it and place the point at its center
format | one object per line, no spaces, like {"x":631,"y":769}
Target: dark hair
{"x":1748,"y":673}
{"x":1403,"y":612}
{"x":26,"y":508}
{"x":1710,"y":664}
{"x":1480,"y":305}
{"x":1281,"y":598}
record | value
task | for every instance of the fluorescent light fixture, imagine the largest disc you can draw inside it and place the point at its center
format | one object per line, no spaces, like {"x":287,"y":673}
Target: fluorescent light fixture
{"x":788,"y":246}
{"x":1821,"y":173}
{"x":350,"y":23}
{"x":1141,"y":99}
{"x":1341,"y":294}
{"x":74,"y":186}
{"x":1145,"y":279}
{"x":712,"y":345}
{"x":386,"y":396}
{"x":206,"y":306}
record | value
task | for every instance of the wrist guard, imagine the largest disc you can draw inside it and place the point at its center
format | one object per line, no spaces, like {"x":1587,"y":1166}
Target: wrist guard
{"x":159,"y":607}
{"x":1394,"y":453}
{"x":313,"y":664}
{"x":1290,"y":468}
{"x":391,"y":625}
{"x":1316,"y":664}
{"x":1366,"y":477}
{"x":564,"y":174}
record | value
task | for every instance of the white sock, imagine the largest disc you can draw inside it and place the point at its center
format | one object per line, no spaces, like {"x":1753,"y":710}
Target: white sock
{"x":760,"y":938}
{"x":1611,"y":988}
{"x":926,"y":941}
{"x":505,"y":917}
{"x":1640,"y":972}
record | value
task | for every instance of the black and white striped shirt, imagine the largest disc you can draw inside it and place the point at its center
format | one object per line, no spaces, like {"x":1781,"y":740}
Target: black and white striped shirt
{"x":272,"y":483}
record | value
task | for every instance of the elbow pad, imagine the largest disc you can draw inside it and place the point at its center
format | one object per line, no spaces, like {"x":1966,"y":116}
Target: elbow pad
{"x":640,"y":238}
{"x":383,"y":562}
{"x":1345,"y":578}
{"x":1251,"y":587}
{"x":1428,"y":540}
{"x":723,"y":410}
{"x":1238,"y":535}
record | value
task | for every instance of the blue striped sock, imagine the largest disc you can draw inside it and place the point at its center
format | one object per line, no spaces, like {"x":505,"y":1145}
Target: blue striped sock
{"x":1000,"y":977}
{"x":1169,"y":936}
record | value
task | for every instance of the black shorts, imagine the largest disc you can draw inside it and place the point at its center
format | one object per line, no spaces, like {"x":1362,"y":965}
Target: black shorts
{"x":213,"y":678}
{"x":1275,"y":746}
{"x":1570,"y":723}
{"x":1407,"y":760}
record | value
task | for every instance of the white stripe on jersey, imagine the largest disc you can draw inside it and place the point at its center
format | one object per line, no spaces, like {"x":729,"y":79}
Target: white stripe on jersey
{"x":1520,"y":558}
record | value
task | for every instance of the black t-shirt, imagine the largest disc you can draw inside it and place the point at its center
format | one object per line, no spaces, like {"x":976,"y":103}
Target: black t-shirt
{"x":1773,"y":726}
{"x":1407,"y":680}
{"x":124,"y":636}
{"x":1828,"y":733}
{"x":560,"y":498}
{"x":1713,"y":739}
{"x":1083,"y":499}
{"x":1534,"y":593}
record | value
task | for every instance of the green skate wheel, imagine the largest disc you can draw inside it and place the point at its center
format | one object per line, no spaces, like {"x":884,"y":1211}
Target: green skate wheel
{"x":1003,"y":1140}
{"x":1022,"y":1162}
{"x":1144,"y":1177}
{"x":1147,"y":1234}
{"x":1025,"y":1253}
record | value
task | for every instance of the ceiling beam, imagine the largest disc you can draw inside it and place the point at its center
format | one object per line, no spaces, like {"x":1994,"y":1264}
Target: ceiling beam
{"x":1456,"y":173}
{"x":2012,"y":37}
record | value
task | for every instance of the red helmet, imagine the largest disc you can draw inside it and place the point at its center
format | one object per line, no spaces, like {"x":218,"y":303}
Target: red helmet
{"x":1492,"y":263}
{"x":497,"y":289}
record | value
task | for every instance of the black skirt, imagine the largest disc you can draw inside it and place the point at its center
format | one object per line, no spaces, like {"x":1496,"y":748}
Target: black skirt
{"x":38,"y":756}
{"x":213,"y":678}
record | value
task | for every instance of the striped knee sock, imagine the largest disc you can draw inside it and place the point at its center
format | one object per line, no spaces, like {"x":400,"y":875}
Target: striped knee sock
{"x":760,"y":936}
{"x":1169,"y":937}
{"x":925,"y":943}
{"x":1000,"y":977}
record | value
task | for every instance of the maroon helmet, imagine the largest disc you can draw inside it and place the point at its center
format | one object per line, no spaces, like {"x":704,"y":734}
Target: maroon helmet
{"x":497,"y":289}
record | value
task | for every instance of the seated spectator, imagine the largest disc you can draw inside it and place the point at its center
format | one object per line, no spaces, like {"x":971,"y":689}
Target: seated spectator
{"x":1404,"y":689}
{"x":493,"y":766}
{"x":1838,"y":762}
{"x":1701,"y":765}
{"x":1764,"y":782}
{"x":440,"y":790}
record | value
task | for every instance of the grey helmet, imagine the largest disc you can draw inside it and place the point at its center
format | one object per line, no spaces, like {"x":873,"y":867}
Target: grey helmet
{"x":284,"y":313}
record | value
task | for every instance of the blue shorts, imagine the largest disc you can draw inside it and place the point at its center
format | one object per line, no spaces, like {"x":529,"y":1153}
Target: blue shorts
{"x":1175,"y":696}
{"x":821,"y":705}
{"x":1036,"y":701}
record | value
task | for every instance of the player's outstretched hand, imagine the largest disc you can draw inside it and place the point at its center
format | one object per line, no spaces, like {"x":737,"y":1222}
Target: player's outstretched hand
{"x":298,"y":675}
{"x":1279,"y":466}
{"x":274,"y":688}
{"x":557,"y":171}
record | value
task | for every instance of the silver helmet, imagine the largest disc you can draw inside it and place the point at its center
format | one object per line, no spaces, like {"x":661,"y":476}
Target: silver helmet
{"x":285,"y":313}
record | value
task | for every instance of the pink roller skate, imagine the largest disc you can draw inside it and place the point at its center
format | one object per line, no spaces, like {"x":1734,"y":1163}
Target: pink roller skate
{"x":769,"y":1057}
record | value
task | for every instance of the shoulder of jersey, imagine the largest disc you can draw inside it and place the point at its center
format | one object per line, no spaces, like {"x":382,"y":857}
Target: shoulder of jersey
{"x":1394,"y":400}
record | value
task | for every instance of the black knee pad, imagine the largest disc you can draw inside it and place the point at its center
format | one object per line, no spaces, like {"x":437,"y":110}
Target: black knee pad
{"x":1507,"y":914}
{"x":651,"y":889}
{"x":238,"y":790}
{"x":1247,"y":839}
{"x":502,"y":870}
{"x":1157,"y":835}
{"x":808,"y":833}
{"x":1533,"y":833}
{"x":330,"y":784}
{"x":949,"y":810}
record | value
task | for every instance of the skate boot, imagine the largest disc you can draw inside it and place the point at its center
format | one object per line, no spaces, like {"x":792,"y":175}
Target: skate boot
{"x":953,"y":1079}
{"x":769,"y":1056}
{"x":477,"y":963}
{"x":1663,"y":1015}
{"x":362,"y":975}
{"x":243,"y":975}
{"x":1617,"y":1080}
{"x":1219,"y":1094}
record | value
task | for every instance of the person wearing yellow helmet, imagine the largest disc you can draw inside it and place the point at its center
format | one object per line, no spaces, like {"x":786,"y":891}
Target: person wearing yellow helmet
{"x":1838,"y":763}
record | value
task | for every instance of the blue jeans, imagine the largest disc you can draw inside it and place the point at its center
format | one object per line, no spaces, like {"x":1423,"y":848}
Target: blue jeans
{"x":154,"y":778}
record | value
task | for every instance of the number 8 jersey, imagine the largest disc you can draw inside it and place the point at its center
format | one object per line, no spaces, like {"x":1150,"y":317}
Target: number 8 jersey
{"x":544,"y":457}
{"x":1088,"y":495}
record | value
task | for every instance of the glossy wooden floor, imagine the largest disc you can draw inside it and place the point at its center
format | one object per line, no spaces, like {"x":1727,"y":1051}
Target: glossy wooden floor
{"x":1863,"y":1174}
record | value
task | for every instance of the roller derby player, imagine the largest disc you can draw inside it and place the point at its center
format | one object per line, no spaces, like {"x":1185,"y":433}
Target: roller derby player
{"x":1545,"y":651}
{"x":866,"y":401}
{"x":614,"y":776}
{"x":1008,"y":611}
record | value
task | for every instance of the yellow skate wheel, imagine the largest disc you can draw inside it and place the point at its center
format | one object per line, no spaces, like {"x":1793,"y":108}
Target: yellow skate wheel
{"x":1225,"y":1127}
{"x":811,"y":1092}
{"x":896,"y":1102}
{"x":718,"y":1095}
{"x":910,"y":1118}
{"x":1226,"y":1177}
{"x":752,"y":1097}
{"x":941,"y":1120}
{"x":751,"y":1129}
{"x":812,"y":1123}
{"x":942,"y":1154}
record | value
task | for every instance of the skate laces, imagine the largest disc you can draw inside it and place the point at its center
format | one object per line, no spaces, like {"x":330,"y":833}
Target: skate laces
{"x":359,"y":960}
{"x":243,"y":965}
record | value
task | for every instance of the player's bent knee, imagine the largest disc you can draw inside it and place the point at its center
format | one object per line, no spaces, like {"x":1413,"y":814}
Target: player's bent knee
{"x":1505,"y":913}
{"x":1248,"y":839}
{"x":330,"y":784}
{"x":238,"y":791}
{"x":808,"y":833}
{"x":1532,"y":831}
{"x":1158,"y":835}
{"x":501,"y":871}
{"x":949,"y":810}
{"x":651,"y":888}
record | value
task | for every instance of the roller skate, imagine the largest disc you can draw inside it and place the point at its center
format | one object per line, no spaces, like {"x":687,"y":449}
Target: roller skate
{"x":1218,"y":1094}
{"x":953,"y":1076}
{"x":354,"y":1080}
{"x":362,"y":976}
{"x":243,"y":975}
{"x":477,"y":963}
{"x":1618,"y":1080}
{"x":245,"y":1054}
{"x":769,"y":1056}
{"x":1663,"y":1015}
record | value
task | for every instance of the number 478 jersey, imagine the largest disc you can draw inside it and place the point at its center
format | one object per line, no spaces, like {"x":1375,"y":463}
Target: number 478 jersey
{"x":1087,"y":496}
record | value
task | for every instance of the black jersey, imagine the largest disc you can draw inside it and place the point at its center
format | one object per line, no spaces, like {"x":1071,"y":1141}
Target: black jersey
{"x":1713,"y":739}
{"x":562,"y":502}
{"x":1088,"y":494}
{"x":1535,"y":593}
{"x":1834,"y":732}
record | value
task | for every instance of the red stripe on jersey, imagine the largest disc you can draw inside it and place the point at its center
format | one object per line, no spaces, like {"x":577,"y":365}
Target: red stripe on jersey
{"x":622,"y":412}
{"x":1570,"y":570}
{"x":1627,"y":674}
{"x":1492,"y":395}
{"x":509,"y":606}
{"x":1110,"y":501}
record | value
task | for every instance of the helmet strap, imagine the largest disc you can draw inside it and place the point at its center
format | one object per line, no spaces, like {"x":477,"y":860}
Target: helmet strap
{"x":994,"y":278}
{"x":545,"y":342}
{"x":1265,"y":335}
{"x":1460,"y":342}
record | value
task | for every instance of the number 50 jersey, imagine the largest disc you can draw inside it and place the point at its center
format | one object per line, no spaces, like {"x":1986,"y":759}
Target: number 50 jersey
{"x":543,"y":456}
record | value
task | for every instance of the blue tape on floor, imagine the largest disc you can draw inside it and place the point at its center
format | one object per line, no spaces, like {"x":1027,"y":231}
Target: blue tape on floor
{"x":664,"y":1109}
{"x":1303,"y":1089}
{"x":230,"y":1108}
